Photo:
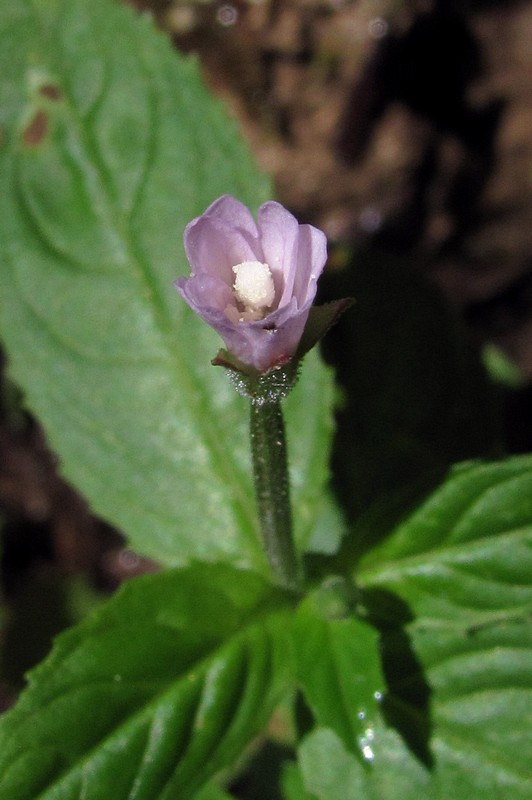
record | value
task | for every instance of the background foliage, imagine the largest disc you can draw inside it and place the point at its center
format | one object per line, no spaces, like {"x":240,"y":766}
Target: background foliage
{"x":113,"y":144}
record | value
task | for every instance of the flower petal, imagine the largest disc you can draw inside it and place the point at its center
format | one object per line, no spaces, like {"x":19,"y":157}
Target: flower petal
{"x":278,"y":232}
{"x":214,"y":247}
{"x":268,"y":342}
{"x":226,"y":236}
{"x":232,"y":212}
{"x":311,"y":258}
{"x":203,"y":291}
{"x":267,"y":348}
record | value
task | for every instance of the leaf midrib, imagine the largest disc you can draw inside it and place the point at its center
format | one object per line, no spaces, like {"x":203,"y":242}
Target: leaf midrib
{"x":419,"y":563}
{"x":133,"y":719}
{"x":199,"y":411}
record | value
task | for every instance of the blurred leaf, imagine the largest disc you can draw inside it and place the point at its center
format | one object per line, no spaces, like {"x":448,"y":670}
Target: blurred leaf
{"x":111,"y":144}
{"x":462,"y":563}
{"x":152,"y":695}
{"x":501,"y":368}
{"x":293,"y":786}
{"x":213,"y":792}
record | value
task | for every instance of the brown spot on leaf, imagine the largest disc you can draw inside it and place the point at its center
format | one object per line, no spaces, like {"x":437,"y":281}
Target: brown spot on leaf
{"x":36,"y":129}
{"x":50,"y":91}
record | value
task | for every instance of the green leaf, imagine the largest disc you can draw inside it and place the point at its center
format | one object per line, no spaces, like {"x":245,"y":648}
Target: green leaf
{"x":328,"y":771}
{"x":212,"y":792}
{"x":338,"y":665}
{"x":292,"y":784}
{"x":152,"y":695}
{"x":110,"y":145}
{"x":462,"y":564}
{"x":501,"y":368}
{"x":353,"y":751}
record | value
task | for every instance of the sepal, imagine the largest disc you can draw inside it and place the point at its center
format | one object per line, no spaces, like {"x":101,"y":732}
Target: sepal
{"x":260,"y":387}
{"x":320,"y":321}
{"x":277,"y":382}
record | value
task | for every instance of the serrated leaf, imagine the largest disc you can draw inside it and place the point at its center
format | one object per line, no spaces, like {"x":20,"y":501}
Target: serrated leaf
{"x":110,"y":145}
{"x":338,"y":666}
{"x":463,"y":565}
{"x":466,"y":551}
{"x":153,"y":694}
{"x":329,"y":771}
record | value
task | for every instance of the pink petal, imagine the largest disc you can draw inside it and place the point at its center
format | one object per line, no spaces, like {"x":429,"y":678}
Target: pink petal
{"x":311,"y":258}
{"x":226,"y":235}
{"x":266,"y":348}
{"x":232,"y":212}
{"x":204,"y":291}
{"x":278,"y":231}
{"x":214,"y":247}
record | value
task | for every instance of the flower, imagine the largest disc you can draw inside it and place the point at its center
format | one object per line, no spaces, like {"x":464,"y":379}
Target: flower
{"x":253,"y":282}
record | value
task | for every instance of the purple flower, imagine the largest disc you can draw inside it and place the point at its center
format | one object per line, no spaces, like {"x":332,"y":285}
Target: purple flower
{"x":253,"y":282}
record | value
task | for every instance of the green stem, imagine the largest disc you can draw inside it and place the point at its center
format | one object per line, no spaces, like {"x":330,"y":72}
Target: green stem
{"x":270,"y":472}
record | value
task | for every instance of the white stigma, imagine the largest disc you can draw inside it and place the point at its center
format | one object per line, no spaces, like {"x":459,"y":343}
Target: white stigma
{"x":254,"y":287}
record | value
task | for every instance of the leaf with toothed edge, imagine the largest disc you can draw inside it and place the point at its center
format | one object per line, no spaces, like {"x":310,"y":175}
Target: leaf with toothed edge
{"x":462,"y":565}
{"x":152,"y":695}
{"x":450,"y":592}
{"x":110,"y":145}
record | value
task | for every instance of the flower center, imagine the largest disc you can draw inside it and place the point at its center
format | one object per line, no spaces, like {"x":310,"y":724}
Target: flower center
{"x":253,"y":288}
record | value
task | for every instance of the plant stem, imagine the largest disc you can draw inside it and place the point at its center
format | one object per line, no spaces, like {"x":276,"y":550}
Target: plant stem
{"x":270,"y":471}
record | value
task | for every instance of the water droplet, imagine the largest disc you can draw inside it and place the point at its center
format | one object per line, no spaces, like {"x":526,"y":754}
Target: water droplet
{"x":378,"y":696}
{"x":129,"y":560}
{"x":378,"y":28}
{"x":368,"y":753}
{"x":365,"y":744}
{"x":227,"y":15}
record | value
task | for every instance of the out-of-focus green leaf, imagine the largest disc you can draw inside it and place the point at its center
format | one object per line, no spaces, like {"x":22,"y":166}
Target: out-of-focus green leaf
{"x":153,"y":694}
{"x":213,"y":792}
{"x":292,"y":784}
{"x":501,"y":368}
{"x":462,"y":564}
{"x":110,"y":145}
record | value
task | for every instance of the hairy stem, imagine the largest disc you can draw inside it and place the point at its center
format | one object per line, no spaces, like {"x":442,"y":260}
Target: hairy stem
{"x":270,"y":471}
